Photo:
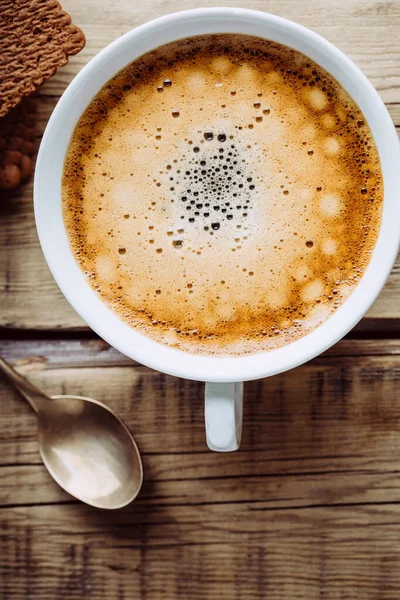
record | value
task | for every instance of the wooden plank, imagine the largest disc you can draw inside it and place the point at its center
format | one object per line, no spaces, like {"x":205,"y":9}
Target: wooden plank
{"x":30,"y":297}
{"x":309,"y":508}
{"x":366,"y":30}
{"x":229,"y":551}
{"x":344,"y":407}
{"x":95,"y":352}
{"x":32,"y":485}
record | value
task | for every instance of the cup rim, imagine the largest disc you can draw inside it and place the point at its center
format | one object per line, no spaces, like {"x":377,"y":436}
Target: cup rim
{"x":78,"y":291}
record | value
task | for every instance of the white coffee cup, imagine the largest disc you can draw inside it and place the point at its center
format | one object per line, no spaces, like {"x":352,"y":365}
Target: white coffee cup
{"x":224,"y":375}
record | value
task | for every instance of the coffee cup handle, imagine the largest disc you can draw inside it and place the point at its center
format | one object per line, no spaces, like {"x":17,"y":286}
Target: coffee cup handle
{"x":223,"y":415}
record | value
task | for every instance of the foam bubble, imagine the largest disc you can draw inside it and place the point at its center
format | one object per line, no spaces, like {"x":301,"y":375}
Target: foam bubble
{"x":105,"y":268}
{"x":303,"y":273}
{"x":330,"y":205}
{"x":329,"y":246}
{"x":331,"y":146}
{"x":327,"y":120}
{"x":312,"y":291}
{"x":276,"y":299}
{"x":318,"y":314}
{"x":317,"y":99}
{"x":225,"y":311}
{"x":221,"y":65}
{"x":195,"y":82}
{"x":246,"y":74}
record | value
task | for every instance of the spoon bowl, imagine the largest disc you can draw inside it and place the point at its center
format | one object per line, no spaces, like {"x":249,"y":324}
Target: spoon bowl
{"x":85,"y":446}
{"x":90,"y":452}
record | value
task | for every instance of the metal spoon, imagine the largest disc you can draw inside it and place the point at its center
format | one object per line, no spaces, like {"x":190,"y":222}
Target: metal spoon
{"x":85,"y":446}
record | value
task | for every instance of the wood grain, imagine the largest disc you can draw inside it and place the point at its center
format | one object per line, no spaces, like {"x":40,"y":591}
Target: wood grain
{"x":308,"y":509}
{"x":366,"y":30}
{"x":32,"y":485}
{"x":310,"y":504}
{"x":343,"y":405}
{"x":229,"y":551}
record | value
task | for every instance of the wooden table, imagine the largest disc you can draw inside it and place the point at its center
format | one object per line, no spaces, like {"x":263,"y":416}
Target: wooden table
{"x":310,"y":506}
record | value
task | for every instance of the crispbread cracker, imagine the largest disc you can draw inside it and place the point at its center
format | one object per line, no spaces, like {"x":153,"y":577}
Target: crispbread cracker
{"x":36,"y":38}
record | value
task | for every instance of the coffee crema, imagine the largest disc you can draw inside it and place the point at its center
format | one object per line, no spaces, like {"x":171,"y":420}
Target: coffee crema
{"x":223,"y":194}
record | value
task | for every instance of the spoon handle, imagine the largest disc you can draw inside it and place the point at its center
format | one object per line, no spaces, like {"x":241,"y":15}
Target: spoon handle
{"x":32,"y":394}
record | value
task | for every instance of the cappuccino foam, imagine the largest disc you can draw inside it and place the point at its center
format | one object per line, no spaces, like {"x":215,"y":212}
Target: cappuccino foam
{"x":223,"y":194}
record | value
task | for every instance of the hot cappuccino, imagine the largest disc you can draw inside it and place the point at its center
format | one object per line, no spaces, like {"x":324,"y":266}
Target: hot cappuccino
{"x":223,"y":194}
